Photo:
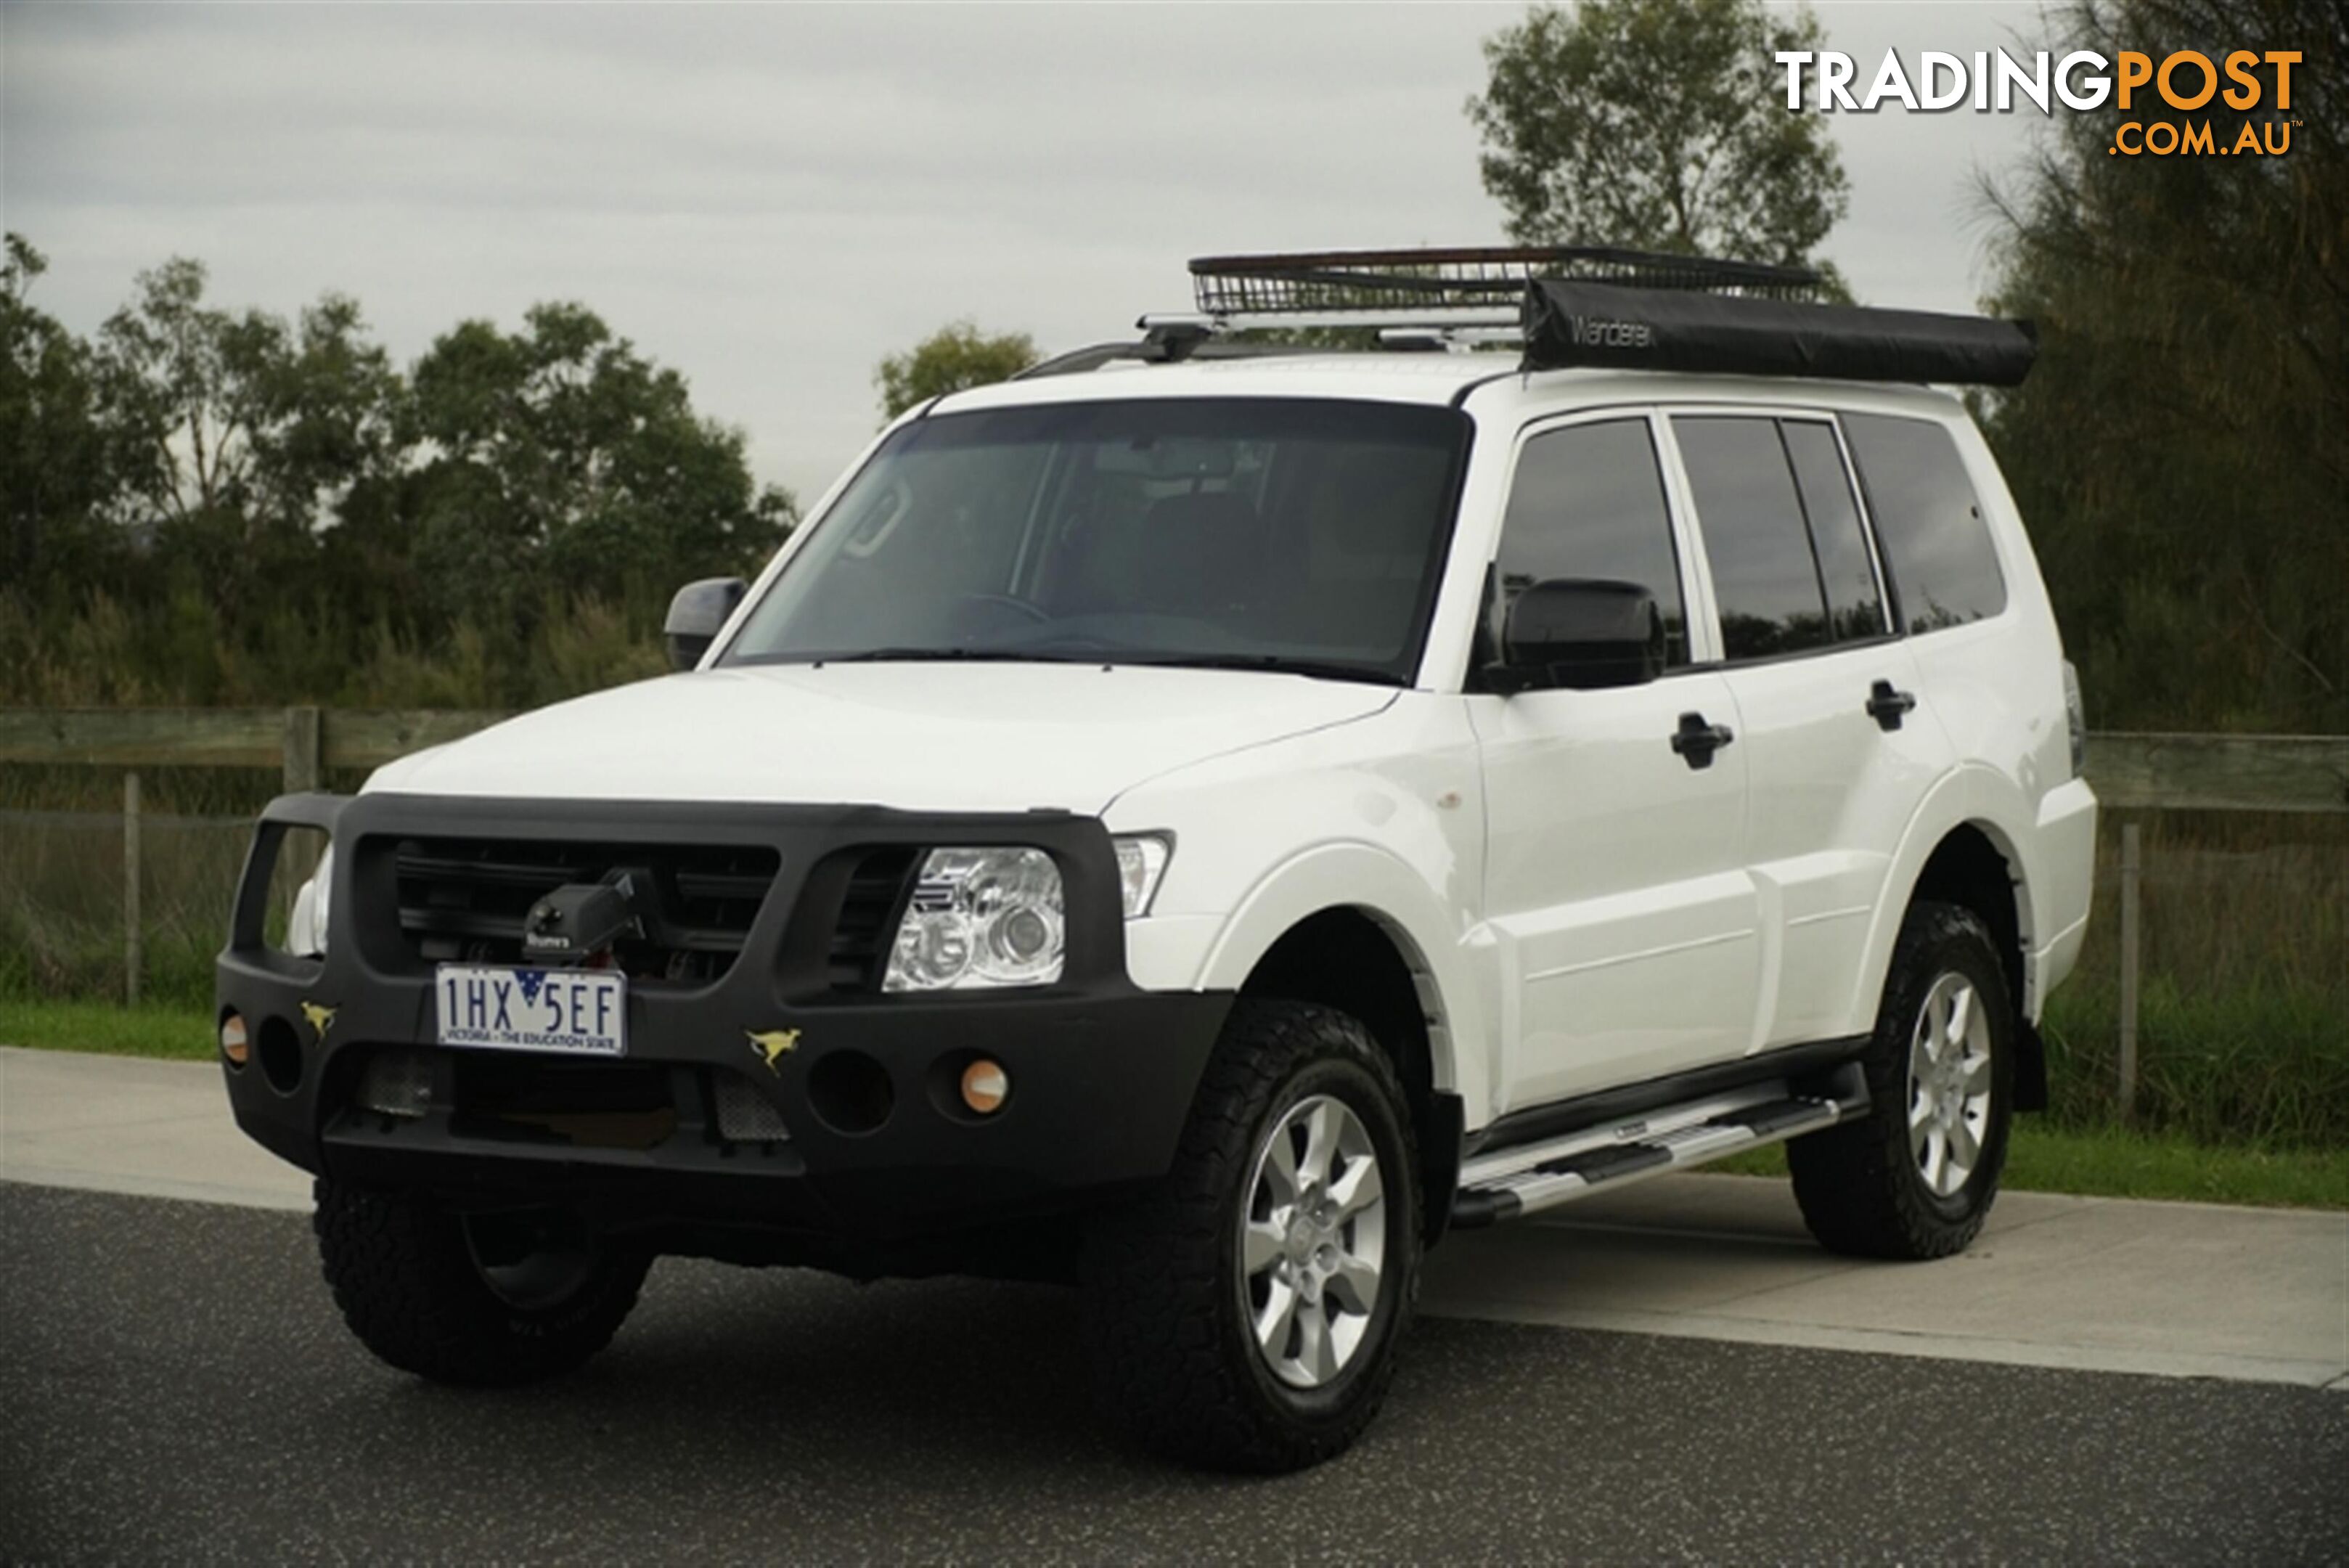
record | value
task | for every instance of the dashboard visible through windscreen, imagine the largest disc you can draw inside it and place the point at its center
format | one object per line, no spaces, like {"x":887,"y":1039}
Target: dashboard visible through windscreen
{"x":1303,"y":533}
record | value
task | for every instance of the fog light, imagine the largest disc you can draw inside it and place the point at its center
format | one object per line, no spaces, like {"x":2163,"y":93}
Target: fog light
{"x":233,"y":1044}
{"x":985,"y":1087}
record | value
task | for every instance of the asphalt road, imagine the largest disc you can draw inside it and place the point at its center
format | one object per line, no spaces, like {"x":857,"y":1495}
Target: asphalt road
{"x":174,"y":1385}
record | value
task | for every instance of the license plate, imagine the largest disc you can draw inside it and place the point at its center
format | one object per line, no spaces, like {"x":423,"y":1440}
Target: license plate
{"x":575,"y":1012}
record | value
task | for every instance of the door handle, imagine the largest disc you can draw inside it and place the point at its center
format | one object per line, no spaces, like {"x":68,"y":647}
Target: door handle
{"x":1887,"y":705}
{"x":1695,"y":740}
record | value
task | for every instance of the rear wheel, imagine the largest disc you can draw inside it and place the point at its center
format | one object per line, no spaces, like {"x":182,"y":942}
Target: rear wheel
{"x":1915,"y":1178}
{"x":1245,"y":1317}
{"x":473,"y":1299}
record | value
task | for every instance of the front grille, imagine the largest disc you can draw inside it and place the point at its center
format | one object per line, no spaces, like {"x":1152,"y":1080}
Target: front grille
{"x":868,"y":918}
{"x":463,"y":899}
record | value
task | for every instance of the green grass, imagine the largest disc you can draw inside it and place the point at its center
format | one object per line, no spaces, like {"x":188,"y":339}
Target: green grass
{"x":2263,"y":1062}
{"x":182,"y":1034}
{"x":2113,"y":1163}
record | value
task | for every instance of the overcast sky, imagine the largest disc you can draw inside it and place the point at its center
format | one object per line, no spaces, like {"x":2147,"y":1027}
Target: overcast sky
{"x":769,"y":198}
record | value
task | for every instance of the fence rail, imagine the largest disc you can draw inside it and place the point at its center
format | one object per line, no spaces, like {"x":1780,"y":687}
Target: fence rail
{"x":2219,"y":773}
{"x":2128,"y":772}
{"x":302,"y":741}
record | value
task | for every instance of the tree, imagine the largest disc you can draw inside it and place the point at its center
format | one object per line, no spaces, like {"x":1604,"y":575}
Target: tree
{"x":200,"y":505}
{"x":1656,"y":124}
{"x":55,"y":453}
{"x":955,"y":356}
{"x":558,"y":457}
{"x":2181,"y":448}
{"x":236,"y":435}
{"x":177,"y":379}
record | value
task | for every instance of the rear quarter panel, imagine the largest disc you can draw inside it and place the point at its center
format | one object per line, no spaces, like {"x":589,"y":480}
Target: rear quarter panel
{"x":1997,"y":689}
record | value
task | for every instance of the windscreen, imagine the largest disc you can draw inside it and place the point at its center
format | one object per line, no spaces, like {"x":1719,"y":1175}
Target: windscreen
{"x":1251,"y":533}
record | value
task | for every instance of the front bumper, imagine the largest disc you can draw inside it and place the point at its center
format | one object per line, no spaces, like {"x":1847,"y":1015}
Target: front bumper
{"x":1102,"y":1074}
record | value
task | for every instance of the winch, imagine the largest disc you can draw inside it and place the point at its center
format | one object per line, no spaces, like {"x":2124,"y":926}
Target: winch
{"x":580,"y":920}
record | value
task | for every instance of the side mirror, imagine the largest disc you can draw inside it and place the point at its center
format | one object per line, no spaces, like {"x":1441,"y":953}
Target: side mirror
{"x":1582,"y":634}
{"x":694,"y":615}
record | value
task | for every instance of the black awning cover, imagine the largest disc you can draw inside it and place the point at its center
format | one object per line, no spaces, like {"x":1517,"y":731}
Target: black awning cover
{"x":1569,"y":323}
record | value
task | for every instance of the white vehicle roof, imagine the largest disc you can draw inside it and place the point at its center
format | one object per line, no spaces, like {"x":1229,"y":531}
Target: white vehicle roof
{"x":1433,"y":379}
{"x":1385,"y":378}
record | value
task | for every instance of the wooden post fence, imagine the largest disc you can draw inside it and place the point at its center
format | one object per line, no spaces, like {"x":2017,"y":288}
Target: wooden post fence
{"x":303,"y":770}
{"x":2129,"y":954}
{"x":300,"y":743}
{"x":303,"y":750}
{"x":134,"y":957}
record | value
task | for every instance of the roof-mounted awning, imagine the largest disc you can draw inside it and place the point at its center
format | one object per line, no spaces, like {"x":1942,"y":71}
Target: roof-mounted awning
{"x":1569,"y":323}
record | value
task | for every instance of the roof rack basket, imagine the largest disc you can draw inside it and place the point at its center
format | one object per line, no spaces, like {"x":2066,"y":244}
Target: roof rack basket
{"x":1428,"y":284}
{"x":1604,"y":306}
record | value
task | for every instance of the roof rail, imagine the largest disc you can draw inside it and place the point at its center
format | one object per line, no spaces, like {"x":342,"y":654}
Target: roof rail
{"x":1166,"y":340}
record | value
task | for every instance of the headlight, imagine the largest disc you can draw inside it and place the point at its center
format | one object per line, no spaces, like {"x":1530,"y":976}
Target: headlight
{"x":1141,"y":861}
{"x":980,"y":918}
{"x":305,"y":930}
{"x":983,"y":918}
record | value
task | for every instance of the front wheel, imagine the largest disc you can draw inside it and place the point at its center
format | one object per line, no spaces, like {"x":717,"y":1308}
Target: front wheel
{"x":471,"y":1299}
{"x":1915,"y":1176}
{"x":1245,"y":1316}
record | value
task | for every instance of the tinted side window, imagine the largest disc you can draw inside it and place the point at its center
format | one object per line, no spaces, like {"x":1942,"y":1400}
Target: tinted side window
{"x":1763,"y":576}
{"x":1588,"y":502}
{"x":1937,"y":548}
{"x":1854,"y":607}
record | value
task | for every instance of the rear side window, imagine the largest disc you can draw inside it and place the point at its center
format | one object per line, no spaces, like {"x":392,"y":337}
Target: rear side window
{"x":1764,"y":575}
{"x":1588,"y":502}
{"x":1936,"y":548}
{"x":1855,"y":608}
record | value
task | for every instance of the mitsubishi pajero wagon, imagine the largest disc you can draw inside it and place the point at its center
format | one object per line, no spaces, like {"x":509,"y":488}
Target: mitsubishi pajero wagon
{"x":1207,"y":817}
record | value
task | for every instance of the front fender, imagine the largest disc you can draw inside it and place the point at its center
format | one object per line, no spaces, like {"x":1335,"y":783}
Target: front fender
{"x":1222,"y":954}
{"x":1383,"y":815}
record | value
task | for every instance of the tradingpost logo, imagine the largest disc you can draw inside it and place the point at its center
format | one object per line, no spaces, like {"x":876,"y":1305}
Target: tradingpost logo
{"x":2247,"y":82}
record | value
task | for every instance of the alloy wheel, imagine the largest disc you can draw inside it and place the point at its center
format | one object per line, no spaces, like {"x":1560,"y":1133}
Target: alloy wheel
{"x":1312,"y":1242}
{"x":1948,"y":1085}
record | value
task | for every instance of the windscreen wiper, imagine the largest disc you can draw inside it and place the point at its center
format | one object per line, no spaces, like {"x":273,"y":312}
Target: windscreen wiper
{"x":1275,"y":664}
{"x":948,"y":655}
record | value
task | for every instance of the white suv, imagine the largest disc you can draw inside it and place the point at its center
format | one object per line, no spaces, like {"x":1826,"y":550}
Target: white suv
{"x":1201,"y":819}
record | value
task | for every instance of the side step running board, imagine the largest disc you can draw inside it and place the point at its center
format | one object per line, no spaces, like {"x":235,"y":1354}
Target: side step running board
{"x":1533,"y":1176}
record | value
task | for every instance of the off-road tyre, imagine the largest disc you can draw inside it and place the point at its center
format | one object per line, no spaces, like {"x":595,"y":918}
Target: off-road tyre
{"x":1859,"y":1184}
{"x":1167,"y":1327}
{"x":405,"y":1277}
